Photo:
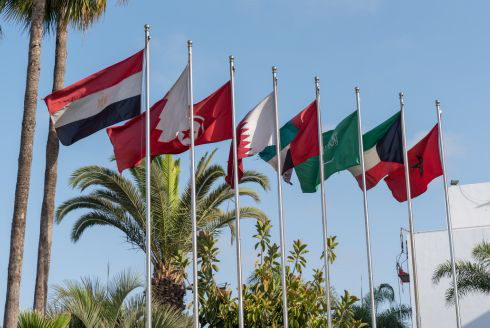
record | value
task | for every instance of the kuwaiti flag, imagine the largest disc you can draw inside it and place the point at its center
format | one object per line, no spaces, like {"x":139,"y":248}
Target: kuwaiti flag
{"x":299,"y":142}
{"x":212,"y":123}
{"x":98,"y":101}
{"x":383,"y":152}
{"x":254,"y":133}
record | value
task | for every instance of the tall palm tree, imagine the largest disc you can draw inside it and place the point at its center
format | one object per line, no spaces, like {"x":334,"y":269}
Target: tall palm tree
{"x":91,"y":304}
{"x":24,"y":161}
{"x":473,"y":277}
{"x":81,"y":14}
{"x":393,"y":316}
{"x":119,"y":202}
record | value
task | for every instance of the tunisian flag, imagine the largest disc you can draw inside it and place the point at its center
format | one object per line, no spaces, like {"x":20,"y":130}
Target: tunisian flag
{"x":212,"y":123}
{"x":424,"y":166}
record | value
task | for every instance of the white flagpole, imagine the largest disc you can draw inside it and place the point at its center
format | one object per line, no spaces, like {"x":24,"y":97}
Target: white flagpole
{"x":413,"y":258}
{"x":279,"y":197}
{"x":448,"y":215}
{"x":193,"y":194}
{"x":237,"y":198}
{"x":366,"y":212}
{"x":324,"y":205}
{"x":148,"y":184}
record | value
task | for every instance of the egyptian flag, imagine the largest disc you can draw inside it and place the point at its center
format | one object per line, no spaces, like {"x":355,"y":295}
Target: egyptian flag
{"x":424,"y":166}
{"x":383,"y":152}
{"x":254,"y":133}
{"x":212,"y":123}
{"x":98,"y":101}
{"x":299,"y":142}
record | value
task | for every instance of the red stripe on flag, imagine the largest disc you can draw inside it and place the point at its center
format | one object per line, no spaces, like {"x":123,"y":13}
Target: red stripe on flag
{"x":305,"y":143}
{"x":101,"y":80}
{"x":377,"y":173}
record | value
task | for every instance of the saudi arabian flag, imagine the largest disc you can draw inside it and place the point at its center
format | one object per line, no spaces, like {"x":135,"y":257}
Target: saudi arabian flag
{"x":340,"y":152}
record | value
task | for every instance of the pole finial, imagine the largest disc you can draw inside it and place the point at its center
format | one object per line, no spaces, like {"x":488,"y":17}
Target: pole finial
{"x":232,"y":58}
{"x":357,"y":90}
{"x":189,"y":43}
{"x":317,"y":79}
{"x":438,"y":103}
{"x":274,"y":69}
{"x":147,"y":27}
{"x":400,"y":94}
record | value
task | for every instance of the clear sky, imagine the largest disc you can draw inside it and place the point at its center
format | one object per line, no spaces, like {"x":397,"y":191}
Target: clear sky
{"x":428,"y":49}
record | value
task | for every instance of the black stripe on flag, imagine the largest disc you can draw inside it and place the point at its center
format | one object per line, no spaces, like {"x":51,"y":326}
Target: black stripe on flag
{"x":389,"y":147}
{"x":112,"y":114}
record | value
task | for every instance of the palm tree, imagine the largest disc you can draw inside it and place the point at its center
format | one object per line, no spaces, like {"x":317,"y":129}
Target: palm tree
{"x":36,"y":320}
{"x":91,"y":304}
{"x":81,"y":14}
{"x":25,"y":159}
{"x":119,"y":202}
{"x":473,"y":277}
{"x":394,"y":316}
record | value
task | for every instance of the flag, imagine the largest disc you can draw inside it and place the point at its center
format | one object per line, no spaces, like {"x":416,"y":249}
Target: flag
{"x":299,"y":142}
{"x":383,"y":152}
{"x":105,"y":98}
{"x":212,"y":123}
{"x":424,"y":166}
{"x":340,"y":151}
{"x":254,"y":133}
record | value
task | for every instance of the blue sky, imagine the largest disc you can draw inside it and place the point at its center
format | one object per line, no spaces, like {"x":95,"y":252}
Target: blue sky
{"x":427,"y":49}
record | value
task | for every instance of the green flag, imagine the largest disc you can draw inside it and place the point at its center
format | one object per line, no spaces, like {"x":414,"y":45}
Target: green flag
{"x":340,"y":151}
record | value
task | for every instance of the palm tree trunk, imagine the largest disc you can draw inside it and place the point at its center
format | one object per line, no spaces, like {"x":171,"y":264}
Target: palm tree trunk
{"x":24,"y":167}
{"x":50,"y":175}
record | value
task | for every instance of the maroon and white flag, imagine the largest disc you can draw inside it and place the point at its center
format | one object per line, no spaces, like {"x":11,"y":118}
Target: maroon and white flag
{"x":103,"y":99}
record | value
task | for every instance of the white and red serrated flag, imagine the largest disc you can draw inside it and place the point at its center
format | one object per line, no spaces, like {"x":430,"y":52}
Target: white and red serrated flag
{"x":254,"y":133}
{"x":103,"y":99}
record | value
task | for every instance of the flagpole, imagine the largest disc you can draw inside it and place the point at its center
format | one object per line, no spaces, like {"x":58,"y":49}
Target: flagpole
{"x":237,"y":198}
{"x":413,"y":257}
{"x":280,"y":202}
{"x":448,"y":215}
{"x":193,"y":194}
{"x":324,"y":205}
{"x":366,"y":212}
{"x":148,"y":179}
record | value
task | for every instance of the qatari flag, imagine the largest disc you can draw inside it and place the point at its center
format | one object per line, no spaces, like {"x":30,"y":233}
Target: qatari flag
{"x":98,"y":101}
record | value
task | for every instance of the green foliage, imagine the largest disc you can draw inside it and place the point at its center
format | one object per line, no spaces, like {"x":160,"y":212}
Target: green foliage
{"x":119,"y":202}
{"x":393,"y":315}
{"x":36,"y":320}
{"x":119,"y":304}
{"x":472,"y":277}
{"x":263,"y":292}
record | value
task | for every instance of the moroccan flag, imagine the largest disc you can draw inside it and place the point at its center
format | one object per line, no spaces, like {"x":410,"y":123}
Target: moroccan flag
{"x":340,"y":151}
{"x":212,"y":123}
{"x":383,"y":152}
{"x":105,"y":98}
{"x":299,"y":142}
{"x":254,"y":133}
{"x":424,"y":166}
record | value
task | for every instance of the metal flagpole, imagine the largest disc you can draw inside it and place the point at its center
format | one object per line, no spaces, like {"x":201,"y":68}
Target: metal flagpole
{"x":324,"y":205}
{"x":410,"y":214}
{"x":148,"y":185}
{"x":279,"y":196}
{"x":193,"y":193}
{"x":237,"y":197}
{"x":366,"y":213}
{"x":448,"y":215}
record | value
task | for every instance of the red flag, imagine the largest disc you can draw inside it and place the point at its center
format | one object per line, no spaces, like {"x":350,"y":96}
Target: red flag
{"x":212,"y":123}
{"x":424,"y":166}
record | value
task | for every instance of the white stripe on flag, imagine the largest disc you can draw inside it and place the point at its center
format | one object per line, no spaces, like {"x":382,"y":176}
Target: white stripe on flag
{"x":371,"y":159}
{"x":96,"y":102}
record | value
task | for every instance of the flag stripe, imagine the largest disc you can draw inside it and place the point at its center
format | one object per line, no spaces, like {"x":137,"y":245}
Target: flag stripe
{"x":93,"y":104}
{"x":116,"y":112}
{"x":103,"y":79}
